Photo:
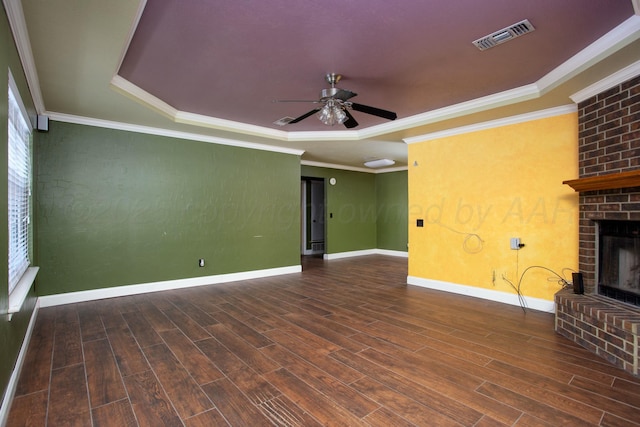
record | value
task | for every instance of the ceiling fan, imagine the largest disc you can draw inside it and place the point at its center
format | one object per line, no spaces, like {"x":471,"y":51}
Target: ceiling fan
{"x":336,"y":106}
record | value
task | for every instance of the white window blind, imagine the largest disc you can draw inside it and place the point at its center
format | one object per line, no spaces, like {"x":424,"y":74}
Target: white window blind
{"x":19,"y":190}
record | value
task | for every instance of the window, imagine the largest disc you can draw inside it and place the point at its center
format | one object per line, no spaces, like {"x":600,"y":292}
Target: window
{"x":19,"y":198}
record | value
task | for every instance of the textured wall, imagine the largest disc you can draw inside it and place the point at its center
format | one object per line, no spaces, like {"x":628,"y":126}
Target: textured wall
{"x":12,"y":332}
{"x":350,"y":209}
{"x":120,"y":208}
{"x":477,"y":190}
{"x":392,"y":205}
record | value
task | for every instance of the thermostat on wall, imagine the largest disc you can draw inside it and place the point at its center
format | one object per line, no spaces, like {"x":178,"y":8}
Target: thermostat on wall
{"x":332,"y":181}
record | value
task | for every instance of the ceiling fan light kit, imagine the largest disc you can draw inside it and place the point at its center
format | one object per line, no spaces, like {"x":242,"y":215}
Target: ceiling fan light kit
{"x":332,"y":114}
{"x":336,"y":106}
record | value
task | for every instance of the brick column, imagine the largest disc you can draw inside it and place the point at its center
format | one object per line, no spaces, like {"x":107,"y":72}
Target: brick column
{"x":609,"y":142}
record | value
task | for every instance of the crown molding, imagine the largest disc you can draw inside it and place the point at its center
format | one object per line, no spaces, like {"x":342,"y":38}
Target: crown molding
{"x":141,"y":96}
{"x":607,"y":83}
{"x":622,"y":35}
{"x":521,"y":118}
{"x":87,"y":121}
{"x":229,"y":125}
{"x":132,"y":30}
{"x":334,"y":166}
{"x":18,"y":25}
{"x":352,"y":168}
{"x":617,"y":38}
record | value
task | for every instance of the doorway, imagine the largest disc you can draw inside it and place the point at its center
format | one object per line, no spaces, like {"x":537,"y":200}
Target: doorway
{"x":313,"y":214}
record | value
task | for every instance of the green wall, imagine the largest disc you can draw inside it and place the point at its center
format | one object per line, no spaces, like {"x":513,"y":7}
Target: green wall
{"x":369,"y":210}
{"x":119,"y":208}
{"x":12,"y":333}
{"x":392,"y":205}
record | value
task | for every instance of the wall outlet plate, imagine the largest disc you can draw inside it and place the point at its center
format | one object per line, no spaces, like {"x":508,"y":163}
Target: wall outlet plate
{"x":515,"y":243}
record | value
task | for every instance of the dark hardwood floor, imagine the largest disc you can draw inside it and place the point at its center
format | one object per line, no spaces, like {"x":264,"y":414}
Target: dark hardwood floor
{"x":346,"y":342}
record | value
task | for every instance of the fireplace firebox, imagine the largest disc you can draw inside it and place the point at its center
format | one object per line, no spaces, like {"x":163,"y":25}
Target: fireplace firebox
{"x":619,"y":260}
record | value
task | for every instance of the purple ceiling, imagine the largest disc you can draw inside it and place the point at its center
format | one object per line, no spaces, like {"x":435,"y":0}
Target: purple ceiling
{"x":231,"y":59}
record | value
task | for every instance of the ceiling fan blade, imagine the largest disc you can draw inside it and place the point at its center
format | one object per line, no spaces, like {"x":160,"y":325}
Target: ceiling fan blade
{"x":304,"y":116}
{"x":350,"y":122}
{"x":389,"y":115}
{"x":295,"y":100}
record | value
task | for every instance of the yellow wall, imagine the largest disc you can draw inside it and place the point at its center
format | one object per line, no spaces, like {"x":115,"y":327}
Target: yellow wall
{"x":475,"y":191}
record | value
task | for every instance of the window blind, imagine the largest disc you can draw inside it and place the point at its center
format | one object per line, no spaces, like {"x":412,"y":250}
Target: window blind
{"x":19,"y":191}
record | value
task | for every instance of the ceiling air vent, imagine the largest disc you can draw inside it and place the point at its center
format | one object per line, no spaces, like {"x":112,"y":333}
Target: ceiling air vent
{"x":511,"y":32}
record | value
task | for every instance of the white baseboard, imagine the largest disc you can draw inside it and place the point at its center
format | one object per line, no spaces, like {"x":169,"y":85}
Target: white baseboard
{"x":401,"y":254}
{"x":118,"y":291}
{"x":15,"y":374}
{"x":538,"y":304}
{"x":311,"y":252}
{"x":366,"y":252}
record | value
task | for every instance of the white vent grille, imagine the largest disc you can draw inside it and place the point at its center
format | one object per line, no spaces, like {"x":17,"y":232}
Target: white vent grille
{"x":283,"y":121}
{"x":516,"y":30}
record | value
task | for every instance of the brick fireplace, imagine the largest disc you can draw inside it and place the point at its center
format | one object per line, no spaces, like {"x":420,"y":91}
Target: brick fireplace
{"x":609,"y":185}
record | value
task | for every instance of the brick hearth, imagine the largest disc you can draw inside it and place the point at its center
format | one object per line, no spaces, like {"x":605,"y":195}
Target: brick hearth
{"x":604,"y":326}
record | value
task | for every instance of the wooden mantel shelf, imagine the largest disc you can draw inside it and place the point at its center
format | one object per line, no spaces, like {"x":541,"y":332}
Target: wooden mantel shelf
{"x":606,"y":182}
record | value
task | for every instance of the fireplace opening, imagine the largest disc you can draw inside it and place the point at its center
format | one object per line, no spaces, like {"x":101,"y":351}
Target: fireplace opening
{"x":619,"y":260}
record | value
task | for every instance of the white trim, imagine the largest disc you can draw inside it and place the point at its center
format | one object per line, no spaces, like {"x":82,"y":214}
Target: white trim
{"x":15,"y":16}
{"x":18,"y":97}
{"x":401,"y":254}
{"x":17,"y":369}
{"x":521,"y":118}
{"x":124,"y":290}
{"x":340,"y":255}
{"x":143,"y":97}
{"x":636,"y":6}
{"x":501,"y":99}
{"x":229,"y":125}
{"x":87,"y":121}
{"x":616,"y":39}
{"x":619,"y":37}
{"x":20,"y":292}
{"x":621,"y":76}
{"x":134,"y":25}
{"x":351,"y":168}
{"x":488,"y":294}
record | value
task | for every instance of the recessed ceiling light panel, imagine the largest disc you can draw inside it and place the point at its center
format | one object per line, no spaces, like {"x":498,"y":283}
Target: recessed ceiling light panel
{"x":498,"y":37}
{"x":379,"y":163}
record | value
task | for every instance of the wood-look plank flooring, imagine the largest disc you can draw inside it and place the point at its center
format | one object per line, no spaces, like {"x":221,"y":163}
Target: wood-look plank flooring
{"x":345,"y":342}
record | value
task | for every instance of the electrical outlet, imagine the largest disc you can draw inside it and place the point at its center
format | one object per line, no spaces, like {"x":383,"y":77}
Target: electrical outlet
{"x":515,"y":243}
{"x":201,"y":262}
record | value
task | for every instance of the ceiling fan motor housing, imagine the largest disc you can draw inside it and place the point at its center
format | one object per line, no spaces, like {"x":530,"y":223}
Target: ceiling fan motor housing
{"x":328,"y":93}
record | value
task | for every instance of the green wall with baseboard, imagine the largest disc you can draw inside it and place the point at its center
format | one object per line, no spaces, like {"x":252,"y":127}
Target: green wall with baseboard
{"x":392,"y":210}
{"x":12,"y":332}
{"x":363,"y":210}
{"x":121,"y":208}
